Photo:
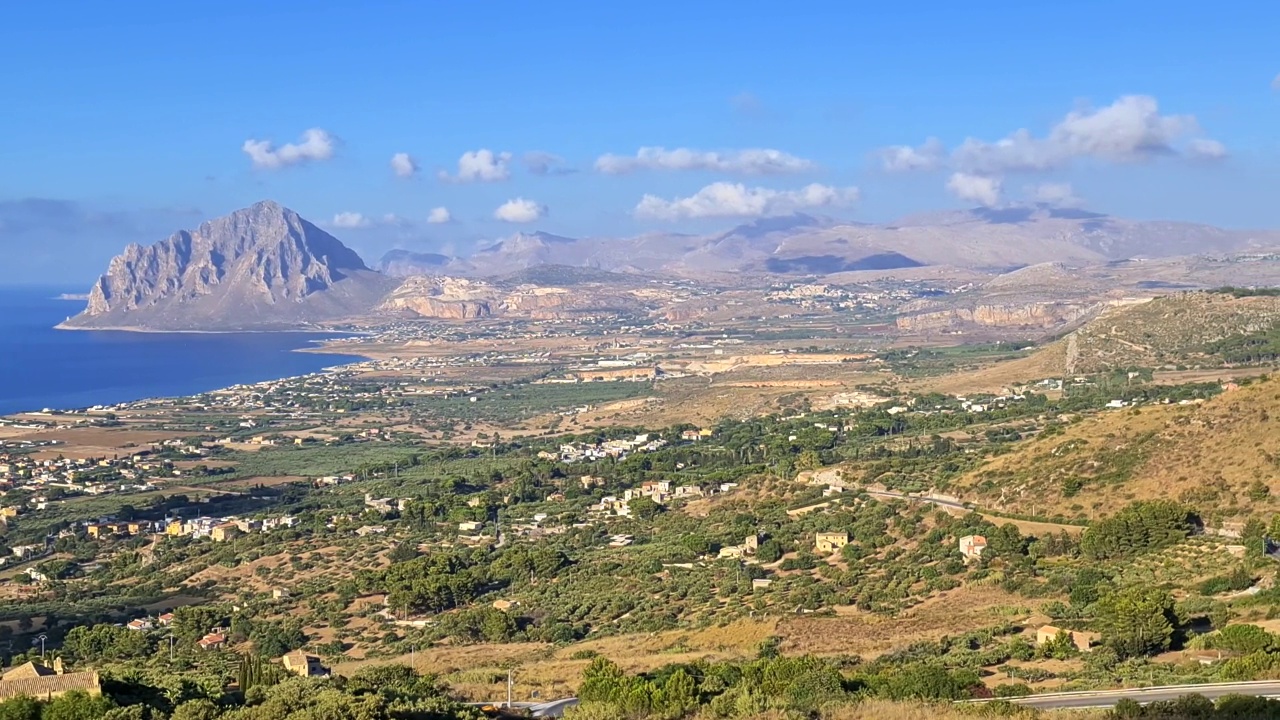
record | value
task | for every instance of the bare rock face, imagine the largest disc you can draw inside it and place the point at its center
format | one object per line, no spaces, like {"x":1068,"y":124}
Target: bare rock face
{"x":445,"y":298}
{"x":263,"y":266}
{"x":459,"y":298}
{"x":1042,"y":315}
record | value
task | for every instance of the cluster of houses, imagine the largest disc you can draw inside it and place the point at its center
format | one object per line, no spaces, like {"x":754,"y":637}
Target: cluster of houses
{"x":89,"y":476}
{"x":226,"y":528}
{"x":617,"y":449}
{"x":660,"y":491}
{"x":296,"y":662}
{"x":811,"y":296}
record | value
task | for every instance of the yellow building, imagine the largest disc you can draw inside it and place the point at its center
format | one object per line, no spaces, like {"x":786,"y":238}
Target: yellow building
{"x":174,"y":528}
{"x":304,"y":665}
{"x":224,"y":532}
{"x":829,"y":542}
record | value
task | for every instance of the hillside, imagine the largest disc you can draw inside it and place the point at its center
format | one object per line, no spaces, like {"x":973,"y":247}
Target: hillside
{"x":1175,"y":330}
{"x":1220,"y":457}
{"x":548,"y":291}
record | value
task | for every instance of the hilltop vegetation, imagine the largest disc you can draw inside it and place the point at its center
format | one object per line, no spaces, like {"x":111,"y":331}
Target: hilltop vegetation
{"x":1219,"y":455}
{"x":1197,"y":329}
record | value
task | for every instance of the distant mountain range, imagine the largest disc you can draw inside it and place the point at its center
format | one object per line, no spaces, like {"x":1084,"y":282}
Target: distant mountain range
{"x":982,"y":239}
{"x":264,"y":266}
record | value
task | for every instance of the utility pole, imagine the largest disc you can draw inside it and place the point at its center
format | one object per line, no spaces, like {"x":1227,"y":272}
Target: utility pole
{"x":510,"y":683}
{"x":42,"y":637}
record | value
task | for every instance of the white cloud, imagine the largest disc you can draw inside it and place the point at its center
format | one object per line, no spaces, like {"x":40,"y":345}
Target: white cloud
{"x":755,"y":161}
{"x":403,"y":165}
{"x":901,"y":158}
{"x":481,"y":166}
{"x":350,"y":220}
{"x":1056,"y":194}
{"x":439,"y":216}
{"x":1129,"y":130}
{"x":981,"y":189}
{"x":316,"y":144}
{"x":1275,"y":84}
{"x":724,"y":199}
{"x":1205,"y":149}
{"x":545,"y":163}
{"x":519,"y":210}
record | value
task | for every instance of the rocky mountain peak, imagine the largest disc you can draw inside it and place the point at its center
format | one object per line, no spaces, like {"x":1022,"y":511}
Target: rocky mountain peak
{"x":228,"y":270}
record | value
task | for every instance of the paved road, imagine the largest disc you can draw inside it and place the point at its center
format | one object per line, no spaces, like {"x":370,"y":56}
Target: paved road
{"x":1108,"y":698}
{"x":551,"y":709}
{"x":917,"y":498}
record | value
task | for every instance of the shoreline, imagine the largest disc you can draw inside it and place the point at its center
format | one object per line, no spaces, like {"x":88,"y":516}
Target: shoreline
{"x":86,"y":408}
{"x":342,"y":357}
{"x":321,"y":346}
{"x":155,"y":331}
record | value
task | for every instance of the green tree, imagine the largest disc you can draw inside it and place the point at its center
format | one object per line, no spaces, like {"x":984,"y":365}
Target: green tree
{"x":769,"y":551}
{"x":106,"y":642}
{"x":198,"y":709}
{"x":696,"y":544}
{"x":602,"y":681}
{"x":678,"y":696}
{"x":20,"y":708}
{"x":644,"y":508}
{"x":1254,"y":537}
{"x":1140,"y":527}
{"x":77,"y":705}
{"x":1136,"y":621}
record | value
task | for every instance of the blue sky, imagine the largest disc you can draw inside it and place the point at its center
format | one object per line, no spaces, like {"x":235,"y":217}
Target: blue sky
{"x":124,"y":121}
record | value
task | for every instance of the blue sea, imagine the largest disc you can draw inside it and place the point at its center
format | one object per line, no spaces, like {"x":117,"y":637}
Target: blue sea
{"x":65,"y":369}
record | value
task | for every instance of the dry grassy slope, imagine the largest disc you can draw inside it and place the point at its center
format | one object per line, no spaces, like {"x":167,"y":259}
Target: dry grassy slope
{"x":1163,"y":331}
{"x":1206,"y":455}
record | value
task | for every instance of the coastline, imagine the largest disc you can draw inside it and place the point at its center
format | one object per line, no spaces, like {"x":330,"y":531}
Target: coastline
{"x":356,"y":358}
{"x":157,"y":331}
{"x":85,"y":390}
{"x":322,"y":346}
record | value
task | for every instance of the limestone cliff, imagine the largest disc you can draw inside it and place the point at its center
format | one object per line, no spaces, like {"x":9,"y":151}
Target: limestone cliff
{"x":458,"y":298}
{"x":446,"y":298}
{"x":1042,"y":315}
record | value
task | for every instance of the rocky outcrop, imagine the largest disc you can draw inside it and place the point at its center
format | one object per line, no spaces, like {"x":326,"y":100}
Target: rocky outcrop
{"x":429,"y":307}
{"x":455,"y":298}
{"x":1031,"y":315}
{"x":263,"y":266}
{"x":445,"y":298}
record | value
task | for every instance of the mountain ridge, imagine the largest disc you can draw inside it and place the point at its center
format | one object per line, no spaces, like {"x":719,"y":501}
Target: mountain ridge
{"x":265,"y":267}
{"x":991,"y":240}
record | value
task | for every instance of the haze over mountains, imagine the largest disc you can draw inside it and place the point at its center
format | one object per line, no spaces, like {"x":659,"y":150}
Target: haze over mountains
{"x":265,"y":266}
{"x":983,"y":239}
